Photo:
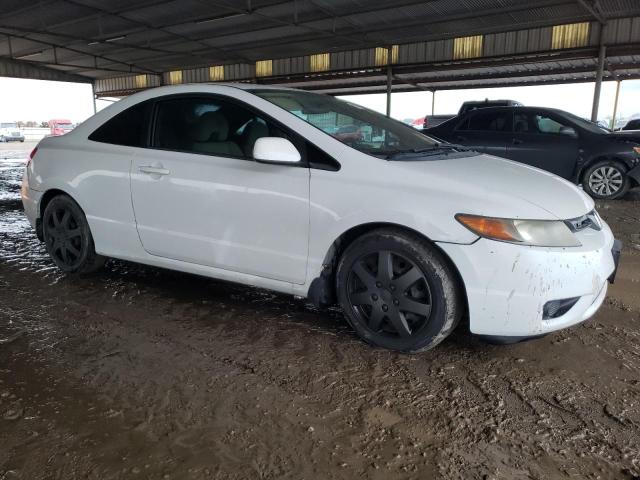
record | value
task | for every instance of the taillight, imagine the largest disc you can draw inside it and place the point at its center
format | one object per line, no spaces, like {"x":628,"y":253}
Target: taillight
{"x":32,"y":154}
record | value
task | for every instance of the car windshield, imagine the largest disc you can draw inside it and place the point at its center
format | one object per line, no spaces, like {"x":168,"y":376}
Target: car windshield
{"x":353,"y":125}
{"x":8,"y":125}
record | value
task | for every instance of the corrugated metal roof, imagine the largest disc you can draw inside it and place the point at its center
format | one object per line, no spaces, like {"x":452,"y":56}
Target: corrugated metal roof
{"x":158,"y":35}
{"x":98,"y":39}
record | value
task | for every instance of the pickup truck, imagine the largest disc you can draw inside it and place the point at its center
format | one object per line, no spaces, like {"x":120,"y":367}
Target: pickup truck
{"x":431,"y":121}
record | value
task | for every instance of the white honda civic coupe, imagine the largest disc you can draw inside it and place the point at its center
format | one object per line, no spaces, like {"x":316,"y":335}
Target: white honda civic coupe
{"x":312,"y":196}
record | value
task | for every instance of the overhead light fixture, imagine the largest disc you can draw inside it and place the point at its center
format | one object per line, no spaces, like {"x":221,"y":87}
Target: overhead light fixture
{"x":29,"y":55}
{"x":221,"y":17}
{"x":121,"y":37}
{"x":93,"y":43}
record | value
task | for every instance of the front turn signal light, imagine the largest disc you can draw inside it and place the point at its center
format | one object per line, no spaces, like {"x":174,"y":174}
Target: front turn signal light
{"x":494,"y":228}
{"x":538,"y":233}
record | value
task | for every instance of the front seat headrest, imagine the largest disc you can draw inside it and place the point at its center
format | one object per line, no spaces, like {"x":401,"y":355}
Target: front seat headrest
{"x":212,"y":127}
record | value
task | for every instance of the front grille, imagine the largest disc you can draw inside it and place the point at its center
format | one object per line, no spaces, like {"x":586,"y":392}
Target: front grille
{"x":590,"y":220}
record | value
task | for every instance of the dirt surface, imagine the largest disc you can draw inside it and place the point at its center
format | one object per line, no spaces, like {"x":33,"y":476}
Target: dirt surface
{"x":138,"y":372}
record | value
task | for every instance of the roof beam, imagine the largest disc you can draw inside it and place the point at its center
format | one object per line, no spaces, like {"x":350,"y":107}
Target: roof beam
{"x":86,"y":40}
{"x":12,"y":68}
{"x":594,"y":10}
{"x":294,"y":23}
{"x":151,"y":27}
{"x":52,"y":45}
{"x":369,"y":39}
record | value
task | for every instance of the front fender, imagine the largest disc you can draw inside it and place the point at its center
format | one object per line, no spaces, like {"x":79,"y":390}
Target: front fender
{"x":634,"y":173}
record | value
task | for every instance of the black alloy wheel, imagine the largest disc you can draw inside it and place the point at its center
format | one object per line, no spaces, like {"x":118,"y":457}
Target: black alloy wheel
{"x":389,"y":294}
{"x":64,"y":238}
{"x":68,"y":238}
{"x":398,"y":291}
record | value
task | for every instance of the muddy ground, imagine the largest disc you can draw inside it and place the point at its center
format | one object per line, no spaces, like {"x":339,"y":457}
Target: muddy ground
{"x":138,"y":372}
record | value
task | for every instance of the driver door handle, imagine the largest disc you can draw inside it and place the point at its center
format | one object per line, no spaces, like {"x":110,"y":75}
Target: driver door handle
{"x":150,"y":169}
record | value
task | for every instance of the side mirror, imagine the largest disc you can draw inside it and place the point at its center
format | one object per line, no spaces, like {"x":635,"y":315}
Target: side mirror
{"x":275,"y":150}
{"x":570,"y":131}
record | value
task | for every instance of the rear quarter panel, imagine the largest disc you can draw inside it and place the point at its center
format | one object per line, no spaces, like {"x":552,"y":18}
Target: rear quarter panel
{"x":96,"y":176}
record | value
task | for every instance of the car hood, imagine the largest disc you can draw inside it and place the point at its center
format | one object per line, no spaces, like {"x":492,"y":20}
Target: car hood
{"x":628,"y":135}
{"x":492,"y":186}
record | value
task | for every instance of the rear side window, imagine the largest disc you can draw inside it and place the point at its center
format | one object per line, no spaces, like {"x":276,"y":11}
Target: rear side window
{"x":128,"y":128}
{"x":488,"y":121}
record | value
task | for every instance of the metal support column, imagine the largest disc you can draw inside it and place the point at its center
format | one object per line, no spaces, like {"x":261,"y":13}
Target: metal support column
{"x":389,"y":83}
{"x":615,"y":105}
{"x":602,"y":54}
{"x":433,"y":102}
{"x":93,"y":94}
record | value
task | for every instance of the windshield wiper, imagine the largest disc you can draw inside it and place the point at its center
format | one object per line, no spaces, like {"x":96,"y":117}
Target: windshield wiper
{"x":432,"y":150}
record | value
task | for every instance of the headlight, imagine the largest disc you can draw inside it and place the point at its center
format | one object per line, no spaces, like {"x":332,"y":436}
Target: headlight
{"x":540,"y":233}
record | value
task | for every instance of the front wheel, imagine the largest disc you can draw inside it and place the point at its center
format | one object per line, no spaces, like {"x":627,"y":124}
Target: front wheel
{"x":398,"y":291}
{"x":606,"y":180}
{"x":68,"y":238}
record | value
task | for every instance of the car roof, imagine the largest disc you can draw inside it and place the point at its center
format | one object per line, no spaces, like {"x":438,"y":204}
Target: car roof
{"x":516,"y":109}
{"x":480,"y":102}
{"x":245,"y":86}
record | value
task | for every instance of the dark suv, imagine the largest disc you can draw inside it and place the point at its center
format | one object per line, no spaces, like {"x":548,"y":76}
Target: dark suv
{"x":606,"y":163}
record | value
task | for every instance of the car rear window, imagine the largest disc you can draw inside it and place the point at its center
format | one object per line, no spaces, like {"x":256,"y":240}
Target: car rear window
{"x":128,"y":128}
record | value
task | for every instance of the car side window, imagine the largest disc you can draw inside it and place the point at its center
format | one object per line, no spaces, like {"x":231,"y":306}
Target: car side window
{"x":128,"y":128}
{"x":521,"y":123}
{"x":210,"y":126}
{"x":546,"y":124}
{"x":487,"y":121}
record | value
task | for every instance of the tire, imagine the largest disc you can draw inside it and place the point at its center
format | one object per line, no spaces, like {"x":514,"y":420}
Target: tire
{"x":413,"y":308}
{"x":606,"y":179}
{"x":67,"y":237}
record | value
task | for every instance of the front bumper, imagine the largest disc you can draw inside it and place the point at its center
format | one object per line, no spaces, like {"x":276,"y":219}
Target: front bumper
{"x":508,"y":285}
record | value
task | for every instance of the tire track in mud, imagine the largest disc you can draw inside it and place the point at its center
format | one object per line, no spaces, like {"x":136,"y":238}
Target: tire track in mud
{"x":444,"y":402}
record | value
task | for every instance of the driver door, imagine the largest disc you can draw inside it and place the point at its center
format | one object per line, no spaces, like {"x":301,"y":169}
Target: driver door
{"x":545,"y":142}
{"x":199,"y":197}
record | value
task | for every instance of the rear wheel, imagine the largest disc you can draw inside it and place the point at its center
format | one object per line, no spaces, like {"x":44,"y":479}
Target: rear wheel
{"x":606,"y":180}
{"x":68,"y":238}
{"x":398,"y":291}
